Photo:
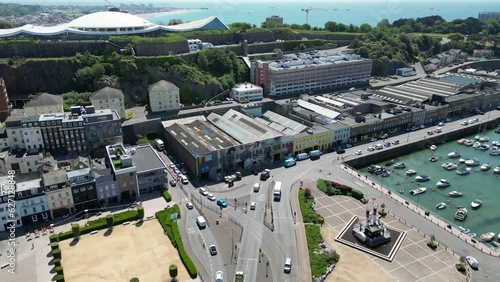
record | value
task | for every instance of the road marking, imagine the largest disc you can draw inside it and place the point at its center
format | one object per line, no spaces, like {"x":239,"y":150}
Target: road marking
{"x":262,"y":197}
{"x":360,"y":184}
{"x":191,"y":230}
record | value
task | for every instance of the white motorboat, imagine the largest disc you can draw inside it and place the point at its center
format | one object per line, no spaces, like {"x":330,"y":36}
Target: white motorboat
{"x":494,"y":151}
{"x":455,"y":154}
{"x":433,"y":159}
{"x":400,"y":165}
{"x":484,"y":139}
{"x":422,"y":178}
{"x":473,"y":162}
{"x":446,"y":164}
{"x":401,"y":191}
{"x":462,"y":160}
{"x":477,"y":137}
{"x":476,"y":145}
{"x":433,"y":147}
{"x":418,"y":191}
{"x":462,"y":141}
{"x":462,"y":171}
{"x":443,"y":183}
{"x":440,"y":206}
{"x":485,"y":166}
{"x":451,"y":167}
{"x":496,"y":170}
{"x":411,"y":172}
{"x":488,"y":236}
{"x":495,"y":143}
{"x":483,"y":147}
{"x":464,"y":230}
{"x":461,"y":214}
{"x":469,"y":143}
{"x":476,"y":203}
{"x":455,"y":194}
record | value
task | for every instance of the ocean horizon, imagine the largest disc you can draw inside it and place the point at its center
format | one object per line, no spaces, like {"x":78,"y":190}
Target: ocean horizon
{"x":255,"y":12}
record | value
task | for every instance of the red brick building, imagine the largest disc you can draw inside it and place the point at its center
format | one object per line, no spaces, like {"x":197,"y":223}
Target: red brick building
{"x":4,"y":101}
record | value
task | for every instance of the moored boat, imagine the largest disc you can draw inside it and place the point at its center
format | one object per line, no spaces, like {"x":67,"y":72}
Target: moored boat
{"x":463,"y":160}
{"x":400,"y":165}
{"x":418,"y":191}
{"x":473,"y":162}
{"x":440,"y":206}
{"x":488,"y":236}
{"x":484,"y":139}
{"x":389,"y":163}
{"x":411,"y":172}
{"x":433,"y":147}
{"x":476,"y":145}
{"x":461,"y":214}
{"x":455,"y":194}
{"x":485,"y":166}
{"x":494,"y":151}
{"x":401,"y":191}
{"x":464,"y":230}
{"x":462,"y":171}
{"x":443,"y":183}
{"x":451,"y":166}
{"x":469,"y":143}
{"x":455,"y":154}
{"x":461,"y":141}
{"x":433,"y":159}
{"x":422,"y":178}
{"x":496,"y":170}
{"x":476,"y":203}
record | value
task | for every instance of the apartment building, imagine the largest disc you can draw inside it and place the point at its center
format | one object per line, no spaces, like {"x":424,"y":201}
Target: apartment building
{"x":107,"y":187}
{"x":315,"y":138}
{"x":6,"y":203}
{"x":246,"y":92}
{"x":31,"y":202}
{"x":58,"y":193}
{"x":32,"y":135}
{"x":51,"y":128}
{"x":311,"y":72}
{"x":44,"y":104}
{"x":73,"y":131}
{"x":102,"y":127}
{"x":4,"y":139}
{"x":83,"y":189}
{"x":151,"y":170}
{"x":109,"y":98}
{"x":164,"y":96}
{"x":20,"y":161}
{"x":124,"y":170}
{"x":4,"y":101}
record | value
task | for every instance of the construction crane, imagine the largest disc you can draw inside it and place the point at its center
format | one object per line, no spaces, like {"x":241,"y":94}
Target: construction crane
{"x":307,"y":10}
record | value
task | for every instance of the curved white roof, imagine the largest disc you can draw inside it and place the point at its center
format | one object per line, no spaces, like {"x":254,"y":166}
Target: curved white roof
{"x":109,"y":20}
{"x":112,"y":22}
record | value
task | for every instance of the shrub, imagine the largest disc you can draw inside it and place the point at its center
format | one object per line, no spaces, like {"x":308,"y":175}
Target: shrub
{"x":308,"y":214}
{"x":59,"y":278}
{"x":54,"y":238}
{"x":432,"y":245}
{"x":54,"y":245}
{"x":307,"y":193}
{"x":57,"y":262}
{"x":75,"y":228}
{"x":59,"y":270}
{"x":320,"y":261}
{"x":382,"y":213}
{"x":460,"y":267}
{"x":364,"y":201}
{"x":109,"y":220}
{"x":166,"y":195}
{"x":135,"y":279}
{"x":172,"y":270}
{"x":140,"y":212}
{"x":57,"y":254}
{"x":356,"y":194}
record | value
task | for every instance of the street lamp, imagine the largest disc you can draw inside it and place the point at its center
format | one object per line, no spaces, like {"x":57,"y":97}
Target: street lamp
{"x":86,"y":217}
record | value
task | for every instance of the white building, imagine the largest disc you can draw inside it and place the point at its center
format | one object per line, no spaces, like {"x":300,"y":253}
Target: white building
{"x":20,"y":161}
{"x":109,"y":98}
{"x":32,"y":135}
{"x":31,"y":202}
{"x":4,"y":139}
{"x":246,"y":92}
{"x":5,"y":219}
{"x":44,"y":104}
{"x":164,"y":96}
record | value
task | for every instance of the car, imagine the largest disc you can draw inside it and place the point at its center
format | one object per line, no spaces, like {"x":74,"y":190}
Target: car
{"x":211,"y":197}
{"x":379,"y":146}
{"x":441,"y":124}
{"x":472,"y":262}
{"x":189,"y":205}
{"x":222,"y":203}
{"x":370,"y":149}
{"x":387,"y":144}
{"x":384,"y":136}
{"x":177,"y":171}
{"x":184,"y":171}
{"x":172,"y":166}
{"x":464,"y":122}
{"x":358,"y":152}
{"x":395,"y":142}
{"x":173,"y":183}
{"x":373,"y":139}
{"x":471,"y":121}
{"x":252,"y":205}
{"x":340,"y":151}
{"x":438,"y":130}
{"x":348,"y":146}
{"x":213,"y":250}
{"x":430,"y":132}
{"x":218,"y":276}
{"x":448,"y":120}
{"x":203,"y":191}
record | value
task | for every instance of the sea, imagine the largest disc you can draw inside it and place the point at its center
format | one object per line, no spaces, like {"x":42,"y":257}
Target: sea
{"x":255,"y":12}
{"x":482,"y":185}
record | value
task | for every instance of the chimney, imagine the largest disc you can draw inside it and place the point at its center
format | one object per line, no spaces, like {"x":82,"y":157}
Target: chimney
{"x":375,"y":211}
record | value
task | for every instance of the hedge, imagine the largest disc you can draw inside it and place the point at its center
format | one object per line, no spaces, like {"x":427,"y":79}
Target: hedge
{"x":53,"y":238}
{"x":57,"y":262}
{"x":173,"y":233}
{"x":54,"y":245}
{"x":319,"y":261}
{"x":166,"y":195}
{"x":59,"y":270}
{"x":170,"y":38}
{"x":59,"y":278}
{"x":135,"y":279}
{"x":308,"y":214}
{"x":332,"y":188}
{"x":100,"y":223}
{"x":57,"y":254}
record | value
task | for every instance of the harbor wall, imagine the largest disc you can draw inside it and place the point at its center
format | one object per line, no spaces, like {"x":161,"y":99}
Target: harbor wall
{"x":421,"y":143}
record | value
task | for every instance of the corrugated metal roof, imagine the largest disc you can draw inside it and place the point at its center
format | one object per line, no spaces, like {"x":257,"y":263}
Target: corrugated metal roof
{"x":318,"y":109}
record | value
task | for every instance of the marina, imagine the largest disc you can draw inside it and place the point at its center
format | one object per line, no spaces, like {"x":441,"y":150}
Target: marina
{"x":482,"y":167}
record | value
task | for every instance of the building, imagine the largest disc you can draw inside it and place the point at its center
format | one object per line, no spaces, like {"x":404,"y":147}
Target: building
{"x":164,"y":96}
{"x":73,"y":132}
{"x":151,"y":170}
{"x":274,"y":19}
{"x":6,"y":198}
{"x":44,"y":104}
{"x":246,"y":92}
{"x":124,"y":171}
{"x":109,"y":98}
{"x":311,"y":72}
{"x":15,"y":136}
{"x":83,"y":189}
{"x":32,"y":135}
{"x":31,"y":202}
{"x":482,"y":53}
{"x":58,"y":193}
{"x":20,"y":161}
{"x":107,"y":188}
{"x":109,"y":23}
{"x":404,"y":72}
{"x":315,"y":138}
{"x":484,"y":16}
{"x":102,"y":127}
{"x":4,"y":101}
{"x":4,"y":139}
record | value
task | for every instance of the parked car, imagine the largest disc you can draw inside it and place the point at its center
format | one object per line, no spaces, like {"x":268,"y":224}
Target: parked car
{"x":448,"y":120}
{"x":387,"y":144}
{"x":211,"y":197}
{"x":379,"y":146}
{"x":213,"y":250}
{"x":358,"y":152}
{"x":253,"y":205}
{"x":371,"y":149}
{"x":203,"y":191}
{"x":395,"y":142}
{"x":189,"y":205}
{"x":165,"y":152}
{"x":222,"y":203}
{"x":441,"y":124}
{"x":472,"y":262}
{"x":340,"y":151}
{"x":173,"y":183}
{"x":177,"y":171}
{"x":430,"y":132}
{"x":438,"y":130}
{"x":373,"y":139}
{"x":464,"y":122}
{"x":348,"y":146}
{"x":384,"y":136}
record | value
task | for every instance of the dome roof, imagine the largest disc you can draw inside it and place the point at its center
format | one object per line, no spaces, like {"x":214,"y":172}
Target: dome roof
{"x":109,"y":20}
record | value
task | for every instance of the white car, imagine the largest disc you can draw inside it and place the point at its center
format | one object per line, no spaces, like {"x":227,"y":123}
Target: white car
{"x":472,"y":262}
{"x":471,"y":121}
{"x":253,"y":205}
{"x":441,"y":124}
{"x":395,"y":142}
{"x":438,"y":130}
{"x":371,"y":149}
{"x":203,"y":191}
{"x":348,"y":146}
{"x":373,"y":139}
{"x":358,"y":152}
{"x":379,"y":146}
{"x":211,"y":197}
{"x":464,"y":122}
{"x":189,"y":205}
{"x":218,"y":276}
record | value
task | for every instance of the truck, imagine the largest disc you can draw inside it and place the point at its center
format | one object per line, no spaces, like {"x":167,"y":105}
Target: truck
{"x":159,"y":144}
{"x":302,"y":156}
{"x":289,"y":162}
{"x":316,"y":154}
{"x":265,"y":174}
{"x":277,"y":191}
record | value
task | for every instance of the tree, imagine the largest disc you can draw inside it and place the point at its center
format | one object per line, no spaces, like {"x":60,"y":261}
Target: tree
{"x":172,"y":270}
{"x":456,"y":36}
{"x":364,"y":28}
{"x":384,"y":24}
{"x":140,"y":212}
{"x":202,"y":61}
{"x":331,"y":26}
{"x":135,"y":279}
{"x":75,"y":227}
{"x":382,"y":206}
{"x":241,"y":26}
{"x":306,"y":26}
{"x":110,"y":221}
{"x":5,"y":25}
{"x":302,"y":46}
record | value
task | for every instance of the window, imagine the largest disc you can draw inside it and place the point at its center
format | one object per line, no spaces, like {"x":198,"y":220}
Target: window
{"x":76,"y":190}
{"x":44,"y":215}
{"x":25,"y":211}
{"x":34,"y":209}
{"x":34,"y":218}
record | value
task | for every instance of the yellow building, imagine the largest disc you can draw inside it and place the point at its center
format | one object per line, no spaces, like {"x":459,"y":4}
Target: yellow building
{"x":315,"y":138}
{"x":44,"y":104}
{"x":58,"y":193}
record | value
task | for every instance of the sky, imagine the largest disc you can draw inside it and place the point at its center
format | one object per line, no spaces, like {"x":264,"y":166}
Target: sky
{"x":45,"y":2}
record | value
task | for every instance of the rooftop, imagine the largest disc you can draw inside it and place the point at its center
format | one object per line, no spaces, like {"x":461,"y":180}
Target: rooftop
{"x":243,"y":86}
{"x":104,"y":175}
{"x":107,"y":93}
{"x":318,"y":109}
{"x":313,"y":59}
{"x":45,"y":99}
{"x":145,"y":158}
{"x":55,"y":177}
{"x":281,"y":124}
{"x":162,"y":86}
{"x":28,"y":185}
{"x":78,"y":173}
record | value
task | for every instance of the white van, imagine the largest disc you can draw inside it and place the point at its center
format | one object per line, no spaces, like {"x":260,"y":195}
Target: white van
{"x":200,"y":221}
{"x":302,"y":156}
{"x":288,"y":265}
{"x":379,"y":146}
{"x":256,"y":187}
{"x":184,"y":179}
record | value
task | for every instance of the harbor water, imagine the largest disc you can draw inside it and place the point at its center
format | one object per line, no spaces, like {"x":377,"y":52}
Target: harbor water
{"x":478,"y":184}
